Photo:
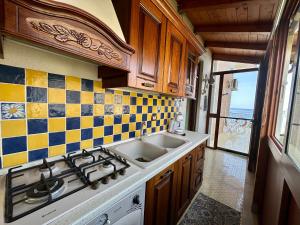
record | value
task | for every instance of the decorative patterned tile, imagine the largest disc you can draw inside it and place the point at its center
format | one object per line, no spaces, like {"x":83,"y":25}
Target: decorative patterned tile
{"x":87,"y":85}
{"x":56,"y":81}
{"x":12,"y":111}
{"x":126,"y":109}
{"x":99,"y":98}
{"x":118,"y":99}
{"x":13,"y":75}
{"x":86,"y":110}
{"x":73,"y":97}
{"x":35,"y":94}
{"x":108,"y":109}
{"x":57,"y":110}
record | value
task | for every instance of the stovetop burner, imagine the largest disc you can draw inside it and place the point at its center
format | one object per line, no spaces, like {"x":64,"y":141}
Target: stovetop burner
{"x":30,"y":189}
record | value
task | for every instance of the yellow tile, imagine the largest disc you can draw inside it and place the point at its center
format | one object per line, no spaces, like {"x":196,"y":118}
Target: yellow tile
{"x":133,"y":94}
{"x":37,"y":110}
{"x":14,"y":159}
{"x":73,"y":110}
{"x":157,"y":129}
{"x":144,"y":109}
{"x":86,"y":121}
{"x":109,"y":99}
{"x":108,"y":139}
{"x":132,"y":109}
{"x":12,"y":92}
{"x":57,"y":150}
{"x":98,"y":87}
{"x":137,"y":133}
{"x":86,"y":144}
{"x":149,"y":115}
{"x":73,"y":83}
{"x":153,"y":124}
{"x":108,"y":120}
{"x":145,"y":95}
{"x":158,"y":102}
{"x":139,"y":101}
{"x":154,"y":109}
{"x":118,"y":92}
{"x":13,"y":128}
{"x":138,"y":117}
{"x":87,"y":97}
{"x":132,"y":127}
{"x":38,"y":141}
{"x":98,"y":132}
{"x":98,"y":110}
{"x":73,"y":136}
{"x":125,"y":118}
{"x":149,"y":130}
{"x":126,"y":100}
{"x":118,"y":109}
{"x":117,"y":129}
{"x":56,"y":95}
{"x":36,"y":78}
{"x":125,"y":136}
{"x":150,"y":101}
{"x":57,"y":124}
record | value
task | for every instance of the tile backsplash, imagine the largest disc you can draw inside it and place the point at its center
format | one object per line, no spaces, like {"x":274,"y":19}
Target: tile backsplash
{"x":45,"y":114}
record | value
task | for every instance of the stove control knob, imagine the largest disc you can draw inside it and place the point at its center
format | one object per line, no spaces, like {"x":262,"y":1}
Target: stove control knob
{"x":114,"y":176}
{"x":136,"y":200}
{"x":105,"y":180}
{"x":123,"y":171}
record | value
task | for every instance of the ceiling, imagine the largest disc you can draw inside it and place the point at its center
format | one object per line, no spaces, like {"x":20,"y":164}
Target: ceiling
{"x":234,"y":30}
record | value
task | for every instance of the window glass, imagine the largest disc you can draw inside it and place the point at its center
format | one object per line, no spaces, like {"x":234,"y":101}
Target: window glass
{"x":286,"y":83}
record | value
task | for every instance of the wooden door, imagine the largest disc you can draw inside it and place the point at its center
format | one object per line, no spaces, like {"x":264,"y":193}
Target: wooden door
{"x":160,"y":198}
{"x":183,"y":198}
{"x":148,"y":37}
{"x":174,"y":61}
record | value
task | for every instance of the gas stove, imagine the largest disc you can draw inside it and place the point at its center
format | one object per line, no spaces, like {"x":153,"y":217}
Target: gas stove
{"x":31,"y":189}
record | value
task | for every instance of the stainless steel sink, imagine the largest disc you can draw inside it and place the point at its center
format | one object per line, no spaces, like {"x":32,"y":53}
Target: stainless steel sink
{"x":165,"y":141}
{"x":139,"y":152}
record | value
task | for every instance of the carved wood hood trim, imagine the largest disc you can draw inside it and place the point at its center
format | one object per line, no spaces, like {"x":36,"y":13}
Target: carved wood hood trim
{"x":65,"y":28}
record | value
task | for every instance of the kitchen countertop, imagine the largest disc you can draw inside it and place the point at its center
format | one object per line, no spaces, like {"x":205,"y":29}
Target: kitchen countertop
{"x":83,"y":212}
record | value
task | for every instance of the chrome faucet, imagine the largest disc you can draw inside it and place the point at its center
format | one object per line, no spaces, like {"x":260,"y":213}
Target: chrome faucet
{"x":142,"y":134}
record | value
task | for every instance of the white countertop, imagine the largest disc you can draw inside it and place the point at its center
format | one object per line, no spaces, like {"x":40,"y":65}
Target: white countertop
{"x":82,"y":213}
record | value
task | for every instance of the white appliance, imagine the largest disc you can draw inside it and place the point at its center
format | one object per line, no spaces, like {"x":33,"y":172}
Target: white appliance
{"x":128,"y":211}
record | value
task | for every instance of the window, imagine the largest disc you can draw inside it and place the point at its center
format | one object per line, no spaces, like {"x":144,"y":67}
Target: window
{"x":287,"y":81}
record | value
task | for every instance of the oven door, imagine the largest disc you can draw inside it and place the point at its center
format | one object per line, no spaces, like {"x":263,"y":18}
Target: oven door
{"x":133,"y":218}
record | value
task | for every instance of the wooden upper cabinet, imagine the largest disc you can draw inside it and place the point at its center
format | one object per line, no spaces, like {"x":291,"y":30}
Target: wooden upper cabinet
{"x":174,"y":61}
{"x":146,"y":32}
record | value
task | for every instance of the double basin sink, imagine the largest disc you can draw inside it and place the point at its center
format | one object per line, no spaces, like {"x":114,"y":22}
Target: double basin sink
{"x":145,"y":151}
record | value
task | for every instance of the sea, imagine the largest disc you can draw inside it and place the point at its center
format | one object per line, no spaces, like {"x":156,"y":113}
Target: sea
{"x":241,"y":113}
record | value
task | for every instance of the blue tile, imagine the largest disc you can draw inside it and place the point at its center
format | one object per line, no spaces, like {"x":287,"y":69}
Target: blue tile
{"x":150,"y":96}
{"x":165,"y":121}
{"x":138,"y":125}
{"x":132,"y":118}
{"x":126,"y":93}
{"x":154,"y":102}
{"x":139,"y":94}
{"x":109,"y":91}
{"x":108,"y":109}
{"x":108,"y":130}
{"x":132,"y":100}
{"x":86,"y":134}
{"x":162,"y":102}
{"x":13,"y":145}
{"x":35,"y":94}
{"x":56,"y":81}
{"x":86,"y":110}
{"x":148,"y":124}
{"x":87,"y":85}
{"x":162,"y":116}
{"x":126,"y":109}
{"x":38,"y":154}
{"x":99,"y":98}
{"x":153,"y":130}
{"x":157,"y":122}
{"x":131,"y":134}
{"x":144,"y":117}
{"x":13,"y":75}
{"x":98,"y":121}
{"x":73,"y":147}
{"x":0,"y":163}
{"x":117,"y":137}
{"x":145,"y":101}
{"x":12,"y":111}
{"x":117,"y":119}
{"x":125,"y":127}
{"x":161,"y":128}
{"x":98,"y":142}
{"x":149,"y":109}
{"x":73,"y":97}
{"x":57,"y":110}
{"x":166,"y":109}
{"x":73,"y":123}
{"x":139,"y":109}
{"x":36,"y":126}
{"x":57,"y":138}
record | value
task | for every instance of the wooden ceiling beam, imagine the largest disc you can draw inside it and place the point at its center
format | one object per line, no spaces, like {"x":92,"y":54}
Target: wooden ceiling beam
{"x":237,"y":58}
{"x":184,"y":5}
{"x":260,"y":28}
{"x":237,"y":45}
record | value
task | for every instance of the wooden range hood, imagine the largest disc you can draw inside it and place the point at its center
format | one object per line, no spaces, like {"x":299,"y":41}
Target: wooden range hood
{"x":62,"y":27}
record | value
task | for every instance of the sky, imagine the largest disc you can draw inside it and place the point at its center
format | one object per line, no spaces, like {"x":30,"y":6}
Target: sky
{"x":245,"y":96}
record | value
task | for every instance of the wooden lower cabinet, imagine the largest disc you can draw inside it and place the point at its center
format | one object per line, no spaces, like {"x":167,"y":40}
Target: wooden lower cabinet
{"x":170,"y":192}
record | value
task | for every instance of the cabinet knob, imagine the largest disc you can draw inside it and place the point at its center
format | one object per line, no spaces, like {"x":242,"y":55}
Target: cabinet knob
{"x":149,"y":85}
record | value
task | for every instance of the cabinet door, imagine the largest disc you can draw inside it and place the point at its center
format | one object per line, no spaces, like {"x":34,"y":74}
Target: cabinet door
{"x":184,"y":184}
{"x":160,"y":198}
{"x":175,"y":61}
{"x":149,"y":42}
{"x":198,"y":164}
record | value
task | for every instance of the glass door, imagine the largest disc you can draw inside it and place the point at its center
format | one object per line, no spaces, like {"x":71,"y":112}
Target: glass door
{"x":231,"y":109}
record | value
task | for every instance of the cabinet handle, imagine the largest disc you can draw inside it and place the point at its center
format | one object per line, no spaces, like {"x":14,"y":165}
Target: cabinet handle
{"x":189,"y":157}
{"x":149,"y":85}
{"x":173,"y":91}
{"x":166,"y":174}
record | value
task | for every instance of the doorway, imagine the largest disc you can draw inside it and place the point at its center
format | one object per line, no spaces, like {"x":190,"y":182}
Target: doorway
{"x":231,"y":110}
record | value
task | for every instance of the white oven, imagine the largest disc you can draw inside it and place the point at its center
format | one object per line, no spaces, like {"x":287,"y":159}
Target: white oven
{"x":127,"y":211}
